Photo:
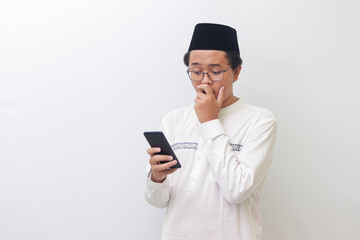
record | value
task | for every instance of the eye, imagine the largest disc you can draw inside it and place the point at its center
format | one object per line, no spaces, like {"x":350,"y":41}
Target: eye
{"x":216,"y":73}
{"x":197,"y":72}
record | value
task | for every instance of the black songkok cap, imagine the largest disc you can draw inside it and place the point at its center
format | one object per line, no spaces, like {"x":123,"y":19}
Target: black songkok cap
{"x":210,"y":36}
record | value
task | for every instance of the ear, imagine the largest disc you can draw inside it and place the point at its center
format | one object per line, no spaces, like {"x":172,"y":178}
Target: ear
{"x":236,"y":72}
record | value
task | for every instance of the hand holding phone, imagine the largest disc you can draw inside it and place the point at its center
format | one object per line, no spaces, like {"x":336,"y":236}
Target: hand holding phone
{"x":163,"y":160}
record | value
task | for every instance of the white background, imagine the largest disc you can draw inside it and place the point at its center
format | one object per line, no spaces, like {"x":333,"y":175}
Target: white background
{"x":81,"y":80}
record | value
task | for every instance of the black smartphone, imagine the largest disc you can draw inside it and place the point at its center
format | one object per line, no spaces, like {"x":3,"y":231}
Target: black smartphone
{"x":158,"y":139}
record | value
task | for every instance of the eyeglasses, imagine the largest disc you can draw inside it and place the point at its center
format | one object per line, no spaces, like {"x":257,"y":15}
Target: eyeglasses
{"x":198,"y":76}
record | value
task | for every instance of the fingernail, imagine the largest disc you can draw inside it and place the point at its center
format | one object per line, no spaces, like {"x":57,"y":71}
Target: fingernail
{"x":170,"y":158}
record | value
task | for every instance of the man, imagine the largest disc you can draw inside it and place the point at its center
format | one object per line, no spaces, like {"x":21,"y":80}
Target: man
{"x":224,"y":145}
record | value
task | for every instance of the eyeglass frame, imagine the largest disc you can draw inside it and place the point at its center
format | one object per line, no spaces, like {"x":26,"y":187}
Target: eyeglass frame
{"x":188,"y":71}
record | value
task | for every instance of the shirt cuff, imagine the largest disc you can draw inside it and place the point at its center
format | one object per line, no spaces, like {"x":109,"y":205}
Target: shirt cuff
{"x":165,"y":184}
{"x":211,"y":129}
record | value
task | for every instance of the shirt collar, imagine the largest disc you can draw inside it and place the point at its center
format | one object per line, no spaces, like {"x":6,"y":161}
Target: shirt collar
{"x":231,"y":107}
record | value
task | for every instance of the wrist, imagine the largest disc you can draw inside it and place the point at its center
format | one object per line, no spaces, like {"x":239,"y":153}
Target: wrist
{"x":207,"y":119}
{"x":157,"y":180}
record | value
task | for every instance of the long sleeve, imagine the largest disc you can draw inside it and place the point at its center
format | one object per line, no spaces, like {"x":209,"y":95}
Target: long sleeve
{"x":158,"y":194}
{"x":240,"y":173}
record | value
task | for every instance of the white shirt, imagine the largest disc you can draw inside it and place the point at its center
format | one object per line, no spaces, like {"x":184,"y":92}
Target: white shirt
{"x":215,"y":195}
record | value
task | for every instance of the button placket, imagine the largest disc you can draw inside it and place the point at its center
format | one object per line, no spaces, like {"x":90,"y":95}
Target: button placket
{"x":197,"y":164}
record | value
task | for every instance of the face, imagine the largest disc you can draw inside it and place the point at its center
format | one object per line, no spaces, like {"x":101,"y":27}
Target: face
{"x":214,"y":60}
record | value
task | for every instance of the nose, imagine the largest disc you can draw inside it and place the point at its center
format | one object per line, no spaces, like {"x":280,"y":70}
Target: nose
{"x":206,"y":79}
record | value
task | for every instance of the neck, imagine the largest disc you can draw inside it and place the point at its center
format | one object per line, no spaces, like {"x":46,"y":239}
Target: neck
{"x":229,"y":101}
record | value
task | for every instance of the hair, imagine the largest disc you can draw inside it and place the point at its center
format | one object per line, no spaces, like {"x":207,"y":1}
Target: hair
{"x":234,"y":59}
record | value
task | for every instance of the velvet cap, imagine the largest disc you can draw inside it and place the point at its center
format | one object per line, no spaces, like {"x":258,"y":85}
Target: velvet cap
{"x":210,"y":36}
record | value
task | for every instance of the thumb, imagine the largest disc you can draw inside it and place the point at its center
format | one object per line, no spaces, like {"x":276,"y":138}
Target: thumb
{"x":220,"y":97}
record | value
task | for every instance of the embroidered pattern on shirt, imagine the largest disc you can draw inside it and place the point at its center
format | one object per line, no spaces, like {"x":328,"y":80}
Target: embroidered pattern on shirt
{"x":185,"y":145}
{"x":236,"y":147}
{"x":194,"y":146}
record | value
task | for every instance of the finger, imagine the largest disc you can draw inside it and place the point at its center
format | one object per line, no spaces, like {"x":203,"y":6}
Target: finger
{"x":164,"y":166}
{"x":200,"y":95}
{"x":158,"y":158}
{"x":152,"y":151}
{"x":208,"y":90}
{"x":221,"y":95}
{"x":202,"y":88}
